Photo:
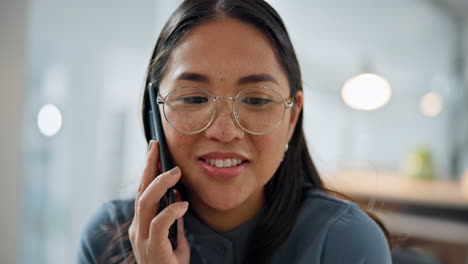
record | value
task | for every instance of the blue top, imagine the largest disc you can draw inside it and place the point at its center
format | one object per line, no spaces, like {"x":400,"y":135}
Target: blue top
{"x":328,"y":230}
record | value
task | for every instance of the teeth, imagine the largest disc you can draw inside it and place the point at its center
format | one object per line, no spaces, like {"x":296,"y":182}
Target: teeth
{"x":223,"y":163}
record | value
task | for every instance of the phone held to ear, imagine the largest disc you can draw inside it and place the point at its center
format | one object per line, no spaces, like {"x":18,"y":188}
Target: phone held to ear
{"x":157,"y":133}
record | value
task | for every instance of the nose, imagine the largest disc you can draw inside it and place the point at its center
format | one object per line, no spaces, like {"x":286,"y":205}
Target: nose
{"x":224,"y":128}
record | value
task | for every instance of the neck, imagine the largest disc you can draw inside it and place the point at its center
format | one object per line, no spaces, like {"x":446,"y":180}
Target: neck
{"x":223,"y":221}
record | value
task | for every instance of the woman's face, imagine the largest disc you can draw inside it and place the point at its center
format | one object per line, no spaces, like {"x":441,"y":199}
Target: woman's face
{"x":220,"y":57}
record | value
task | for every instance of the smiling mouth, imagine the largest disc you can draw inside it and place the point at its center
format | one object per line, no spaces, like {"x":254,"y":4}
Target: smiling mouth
{"x":224,"y":163}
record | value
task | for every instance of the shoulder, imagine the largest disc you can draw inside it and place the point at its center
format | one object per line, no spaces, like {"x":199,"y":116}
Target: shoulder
{"x":346,"y":233}
{"x":109,"y":215}
{"x":104,"y":223}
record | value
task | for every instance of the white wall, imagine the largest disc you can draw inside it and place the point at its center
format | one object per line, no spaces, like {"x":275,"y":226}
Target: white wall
{"x":12,"y":18}
{"x":89,"y":59}
{"x":465,"y":54}
{"x":464,"y":115}
{"x":410,"y":43}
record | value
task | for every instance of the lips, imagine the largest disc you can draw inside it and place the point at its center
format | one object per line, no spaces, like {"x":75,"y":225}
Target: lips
{"x":223,"y":165}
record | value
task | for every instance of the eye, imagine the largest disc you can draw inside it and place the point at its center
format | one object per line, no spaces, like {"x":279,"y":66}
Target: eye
{"x":256,"y":101}
{"x":193,"y":100}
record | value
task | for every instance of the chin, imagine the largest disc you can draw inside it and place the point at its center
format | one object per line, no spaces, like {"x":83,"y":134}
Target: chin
{"x":223,"y":200}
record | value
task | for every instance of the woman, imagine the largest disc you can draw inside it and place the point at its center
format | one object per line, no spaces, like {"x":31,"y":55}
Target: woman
{"x":230,"y":89}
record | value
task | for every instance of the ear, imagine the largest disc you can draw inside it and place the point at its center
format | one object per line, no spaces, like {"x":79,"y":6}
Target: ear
{"x":295,"y":111}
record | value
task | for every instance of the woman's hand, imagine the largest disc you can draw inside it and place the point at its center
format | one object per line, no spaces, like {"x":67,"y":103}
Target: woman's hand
{"x":149,"y":231}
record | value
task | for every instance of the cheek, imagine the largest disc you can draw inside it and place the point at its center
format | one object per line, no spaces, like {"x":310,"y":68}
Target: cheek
{"x":179,"y":144}
{"x":270,"y":150}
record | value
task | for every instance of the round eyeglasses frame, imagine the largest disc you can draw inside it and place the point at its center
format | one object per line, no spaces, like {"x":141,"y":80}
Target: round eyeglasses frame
{"x":162,"y":100}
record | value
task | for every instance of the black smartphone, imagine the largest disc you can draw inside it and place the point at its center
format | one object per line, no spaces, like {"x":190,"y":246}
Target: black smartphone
{"x":157,"y":133}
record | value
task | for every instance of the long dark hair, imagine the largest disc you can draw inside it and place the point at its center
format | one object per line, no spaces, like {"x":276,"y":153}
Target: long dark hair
{"x":297,"y":173}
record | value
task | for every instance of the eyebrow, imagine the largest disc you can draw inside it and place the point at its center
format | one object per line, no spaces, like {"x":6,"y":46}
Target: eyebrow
{"x":191,"y":76}
{"x":252,"y":78}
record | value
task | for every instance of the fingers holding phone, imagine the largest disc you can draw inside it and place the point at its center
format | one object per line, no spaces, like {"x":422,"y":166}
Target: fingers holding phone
{"x":149,"y":230}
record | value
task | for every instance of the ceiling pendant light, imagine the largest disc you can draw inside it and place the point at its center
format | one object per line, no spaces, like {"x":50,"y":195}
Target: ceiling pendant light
{"x":367,"y":91}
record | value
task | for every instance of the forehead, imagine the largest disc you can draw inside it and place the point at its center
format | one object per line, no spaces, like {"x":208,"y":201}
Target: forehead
{"x":225,"y":50}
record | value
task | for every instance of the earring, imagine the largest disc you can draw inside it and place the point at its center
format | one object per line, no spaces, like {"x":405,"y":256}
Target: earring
{"x":285,"y":150}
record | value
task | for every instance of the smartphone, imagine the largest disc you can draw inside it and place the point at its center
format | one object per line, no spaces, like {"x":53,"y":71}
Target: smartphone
{"x":157,"y":133}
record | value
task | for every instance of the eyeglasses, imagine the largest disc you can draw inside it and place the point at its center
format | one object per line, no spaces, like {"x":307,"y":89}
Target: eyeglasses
{"x":191,"y":110}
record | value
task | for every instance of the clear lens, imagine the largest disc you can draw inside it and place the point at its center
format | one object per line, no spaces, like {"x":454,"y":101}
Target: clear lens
{"x":257,"y":110}
{"x":188,"y":109}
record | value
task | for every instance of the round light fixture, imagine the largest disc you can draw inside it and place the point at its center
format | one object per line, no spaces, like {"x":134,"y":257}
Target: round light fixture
{"x":431,"y":104}
{"x":49,"y":120}
{"x":366,"y":91}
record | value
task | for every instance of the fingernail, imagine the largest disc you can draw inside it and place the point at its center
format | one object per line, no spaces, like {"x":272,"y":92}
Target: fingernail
{"x":151,"y":144}
{"x":174,"y":171}
{"x":183,"y":205}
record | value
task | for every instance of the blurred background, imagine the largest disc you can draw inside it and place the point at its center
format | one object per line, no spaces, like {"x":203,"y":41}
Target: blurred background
{"x":386,"y":114}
